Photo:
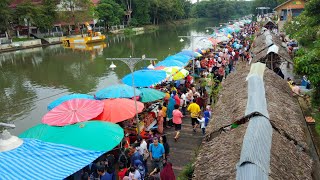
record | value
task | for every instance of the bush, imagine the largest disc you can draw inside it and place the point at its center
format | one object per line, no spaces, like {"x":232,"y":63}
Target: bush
{"x":187,"y":172}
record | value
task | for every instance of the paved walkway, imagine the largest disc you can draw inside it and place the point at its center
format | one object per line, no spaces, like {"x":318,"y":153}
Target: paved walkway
{"x":183,"y":151}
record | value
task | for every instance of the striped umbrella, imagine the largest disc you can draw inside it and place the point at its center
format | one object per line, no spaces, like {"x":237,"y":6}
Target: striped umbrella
{"x":68,"y":97}
{"x":180,"y":74}
{"x":39,"y":160}
{"x":73,"y":111}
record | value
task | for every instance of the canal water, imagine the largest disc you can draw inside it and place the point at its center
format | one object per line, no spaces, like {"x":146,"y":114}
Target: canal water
{"x":30,"y":79}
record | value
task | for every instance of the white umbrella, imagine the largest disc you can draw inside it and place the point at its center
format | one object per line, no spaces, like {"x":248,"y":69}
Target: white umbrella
{"x":9,"y":142}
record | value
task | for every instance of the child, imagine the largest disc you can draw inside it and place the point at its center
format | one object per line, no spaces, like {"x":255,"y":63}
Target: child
{"x":207,"y":115}
{"x":202,"y":124}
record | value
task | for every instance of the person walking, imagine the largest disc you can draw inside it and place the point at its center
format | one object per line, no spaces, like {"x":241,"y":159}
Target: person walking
{"x":194,"y":109}
{"x":157,"y":154}
{"x":171,"y":104}
{"x":164,"y":113}
{"x":160,"y":120}
{"x":177,"y":120}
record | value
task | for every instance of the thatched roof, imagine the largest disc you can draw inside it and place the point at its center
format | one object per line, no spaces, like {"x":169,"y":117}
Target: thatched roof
{"x":285,"y":113}
{"x":224,"y":148}
{"x":282,"y":52}
{"x":260,"y":47}
{"x":286,"y":161}
{"x":269,"y":23}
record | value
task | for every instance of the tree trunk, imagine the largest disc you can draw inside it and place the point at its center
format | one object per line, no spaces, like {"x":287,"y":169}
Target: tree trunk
{"x":28,"y":28}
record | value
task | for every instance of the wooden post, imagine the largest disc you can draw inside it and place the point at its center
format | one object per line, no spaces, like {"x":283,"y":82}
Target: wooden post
{"x":271,"y":61}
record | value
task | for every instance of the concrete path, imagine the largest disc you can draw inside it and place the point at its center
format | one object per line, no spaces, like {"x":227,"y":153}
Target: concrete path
{"x":183,"y":151}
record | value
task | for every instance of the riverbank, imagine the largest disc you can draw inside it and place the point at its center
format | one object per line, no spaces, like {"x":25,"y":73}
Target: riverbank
{"x":27,"y":44}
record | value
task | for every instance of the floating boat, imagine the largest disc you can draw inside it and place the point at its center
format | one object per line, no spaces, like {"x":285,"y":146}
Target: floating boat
{"x":84,"y":40}
{"x":86,"y":47}
{"x":91,"y":38}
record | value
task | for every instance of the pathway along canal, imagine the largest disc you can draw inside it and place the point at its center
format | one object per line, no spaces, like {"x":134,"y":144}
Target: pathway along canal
{"x":30,"y":79}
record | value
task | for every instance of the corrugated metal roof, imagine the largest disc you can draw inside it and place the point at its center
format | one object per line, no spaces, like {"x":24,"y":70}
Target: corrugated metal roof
{"x":256,"y":97}
{"x":254,"y":163}
{"x":255,"y":153}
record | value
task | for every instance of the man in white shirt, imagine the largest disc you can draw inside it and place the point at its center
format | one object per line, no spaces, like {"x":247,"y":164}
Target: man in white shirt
{"x":183,"y":103}
{"x":198,"y":66}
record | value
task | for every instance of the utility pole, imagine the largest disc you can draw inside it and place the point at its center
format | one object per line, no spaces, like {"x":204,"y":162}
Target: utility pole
{"x":131,"y":62}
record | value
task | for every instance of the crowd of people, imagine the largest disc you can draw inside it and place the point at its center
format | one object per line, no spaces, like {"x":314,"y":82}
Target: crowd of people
{"x":191,"y":97}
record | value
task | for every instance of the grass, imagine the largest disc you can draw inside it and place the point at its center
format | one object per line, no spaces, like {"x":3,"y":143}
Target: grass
{"x":128,"y":31}
{"x":316,"y":116}
{"x":15,"y":39}
{"x":187,"y":171}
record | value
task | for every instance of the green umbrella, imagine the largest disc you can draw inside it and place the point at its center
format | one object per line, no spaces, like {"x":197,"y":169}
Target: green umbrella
{"x":149,"y":95}
{"x":90,"y":135}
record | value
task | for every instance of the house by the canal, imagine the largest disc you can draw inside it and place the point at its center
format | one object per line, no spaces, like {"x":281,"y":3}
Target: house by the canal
{"x":288,"y":10}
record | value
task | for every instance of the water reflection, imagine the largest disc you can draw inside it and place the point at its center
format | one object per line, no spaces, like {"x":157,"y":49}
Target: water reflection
{"x":30,"y":79}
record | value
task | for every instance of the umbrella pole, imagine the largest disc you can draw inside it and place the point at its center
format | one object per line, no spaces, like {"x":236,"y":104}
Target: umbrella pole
{"x":135,"y":103}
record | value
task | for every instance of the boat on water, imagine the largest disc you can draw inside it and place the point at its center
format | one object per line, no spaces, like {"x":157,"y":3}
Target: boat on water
{"x":86,"y":47}
{"x":91,"y":37}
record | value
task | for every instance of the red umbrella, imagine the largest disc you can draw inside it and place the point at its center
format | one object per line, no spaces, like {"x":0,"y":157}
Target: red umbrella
{"x":73,"y":111}
{"x":117,"y":110}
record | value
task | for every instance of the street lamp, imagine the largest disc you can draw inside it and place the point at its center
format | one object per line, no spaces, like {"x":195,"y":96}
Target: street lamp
{"x":131,"y":62}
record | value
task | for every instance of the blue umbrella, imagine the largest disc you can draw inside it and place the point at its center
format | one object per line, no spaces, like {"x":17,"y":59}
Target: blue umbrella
{"x":145,"y":78}
{"x":117,"y":91}
{"x":68,"y":97}
{"x":169,"y":63}
{"x":181,"y":58}
{"x":36,"y":159}
{"x":187,"y":53}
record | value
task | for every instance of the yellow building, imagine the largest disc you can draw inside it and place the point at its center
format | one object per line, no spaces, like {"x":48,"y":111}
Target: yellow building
{"x":289,"y":8}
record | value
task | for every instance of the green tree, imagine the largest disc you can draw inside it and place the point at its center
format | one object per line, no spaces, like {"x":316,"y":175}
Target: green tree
{"x":306,"y":29}
{"x":76,"y":11}
{"x":141,"y":11}
{"x":26,"y":11}
{"x":110,"y":12}
{"x":46,"y":16}
{"x":5,"y":16}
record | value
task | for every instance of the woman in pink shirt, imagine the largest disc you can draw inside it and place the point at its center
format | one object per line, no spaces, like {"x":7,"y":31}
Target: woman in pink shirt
{"x":177,"y":120}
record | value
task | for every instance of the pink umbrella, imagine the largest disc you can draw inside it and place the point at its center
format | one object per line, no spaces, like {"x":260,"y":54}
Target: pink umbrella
{"x":159,"y":68}
{"x":214,"y":41}
{"x":73,"y":111}
{"x":117,"y":110}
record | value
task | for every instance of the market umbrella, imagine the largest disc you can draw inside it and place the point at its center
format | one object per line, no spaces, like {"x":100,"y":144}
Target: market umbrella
{"x":149,"y":95}
{"x":89,"y":135}
{"x":181,"y":58}
{"x":180,"y":74}
{"x":9,"y":142}
{"x":117,"y":110}
{"x":117,"y":91}
{"x":144,"y":78}
{"x":159,"y":68}
{"x":171,"y":70}
{"x":214,"y":41}
{"x":187,"y":53}
{"x":68,"y":97}
{"x":73,"y":111}
{"x":169,"y":63}
{"x":39,"y":160}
